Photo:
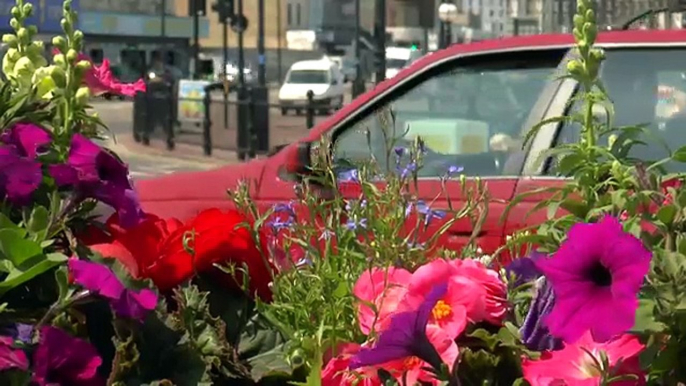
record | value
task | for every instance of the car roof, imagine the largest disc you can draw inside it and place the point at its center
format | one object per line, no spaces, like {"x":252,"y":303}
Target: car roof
{"x":321,"y":64}
{"x":515,"y":43}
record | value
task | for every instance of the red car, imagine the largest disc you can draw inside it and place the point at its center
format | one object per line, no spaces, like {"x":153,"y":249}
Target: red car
{"x":472,"y":103}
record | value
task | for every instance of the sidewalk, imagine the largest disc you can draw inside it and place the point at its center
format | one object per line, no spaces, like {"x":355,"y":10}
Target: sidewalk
{"x":190,"y":155}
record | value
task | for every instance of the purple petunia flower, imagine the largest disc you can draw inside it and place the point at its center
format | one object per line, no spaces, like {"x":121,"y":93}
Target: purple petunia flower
{"x":10,"y":357}
{"x":96,"y":173}
{"x":62,"y":359}
{"x":405,"y":337}
{"x":524,"y":269}
{"x":598,"y":270}
{"x":20,"y":173}
{"x":101,"y":280}
{"x":535,"y":334}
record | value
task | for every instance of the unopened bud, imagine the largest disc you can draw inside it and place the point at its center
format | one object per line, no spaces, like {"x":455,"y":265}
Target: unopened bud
{"x":16,"y":12}
{"x":27,"y":9}
{"x":66,"y":26}
{"x":578,"y":21}
{"x":83,"y":65}
{"x":574,"y":67}
{"x":83,"y":95}
{"x":72,"y":55}
{"x":60,"y":42}
{"x":59,"y":59}
{"x":58,"y":76}
{"x":23,"y":35}
{"x":589,"y":15}
{"x":10,"y":40}
{"x":14,"y":23}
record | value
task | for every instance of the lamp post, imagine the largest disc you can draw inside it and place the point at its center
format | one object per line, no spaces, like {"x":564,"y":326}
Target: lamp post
{"x":447,"y":14}
{"x":358,"y":82}
{"x":380,"y":37}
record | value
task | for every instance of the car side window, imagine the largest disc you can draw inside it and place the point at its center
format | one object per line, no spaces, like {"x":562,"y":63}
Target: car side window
{"x":647,"y":87}
{"x":469,"y":116}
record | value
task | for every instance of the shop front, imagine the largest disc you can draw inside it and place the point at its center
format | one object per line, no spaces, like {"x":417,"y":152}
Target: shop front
{"x":134,"y":35}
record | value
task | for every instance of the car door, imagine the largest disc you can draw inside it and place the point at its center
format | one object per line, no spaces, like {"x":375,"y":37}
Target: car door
{"x":471,"y":112}
{"x":646,"y":84}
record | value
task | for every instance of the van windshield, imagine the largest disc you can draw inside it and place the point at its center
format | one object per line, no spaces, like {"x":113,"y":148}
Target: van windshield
{"x":395,"y":63}
{"x":308,"y":77}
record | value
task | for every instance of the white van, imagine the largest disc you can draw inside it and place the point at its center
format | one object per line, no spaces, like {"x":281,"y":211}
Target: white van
{"x":322,"y":76}
{"x":396,"y":59}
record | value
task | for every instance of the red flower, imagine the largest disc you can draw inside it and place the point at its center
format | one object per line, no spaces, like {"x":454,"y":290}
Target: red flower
{"x":155,"y":249}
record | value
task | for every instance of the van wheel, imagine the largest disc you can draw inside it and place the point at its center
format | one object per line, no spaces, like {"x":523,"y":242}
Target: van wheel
{"x":284,"y":112}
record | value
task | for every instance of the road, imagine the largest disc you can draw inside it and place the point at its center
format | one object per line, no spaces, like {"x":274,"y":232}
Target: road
{"x":118,"y":116}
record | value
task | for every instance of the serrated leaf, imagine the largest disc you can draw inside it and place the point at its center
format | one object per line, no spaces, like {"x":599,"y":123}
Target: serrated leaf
{"x":645,"y":318}
{"x":17,"y":249}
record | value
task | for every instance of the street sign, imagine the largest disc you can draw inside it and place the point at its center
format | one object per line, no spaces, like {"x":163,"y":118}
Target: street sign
{"x":239,"y":24}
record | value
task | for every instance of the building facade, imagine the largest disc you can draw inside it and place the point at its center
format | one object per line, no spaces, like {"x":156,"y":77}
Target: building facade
{"x":131,"y":32}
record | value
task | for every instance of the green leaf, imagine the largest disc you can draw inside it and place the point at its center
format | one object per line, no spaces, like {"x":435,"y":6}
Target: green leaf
{"x":645,"y":318}
{"x":17,"y":249}
{"x":19,"y":276}
{"x":62,"y":279}
{"x":6,"y":223}
{"x":666,"y":214}
{"x":490,"y":340}
{"x":680,"y":154}
{"x":38,"y":223}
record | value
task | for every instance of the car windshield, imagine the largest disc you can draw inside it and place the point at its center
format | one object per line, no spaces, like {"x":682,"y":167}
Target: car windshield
{"x":470,"y":116}
{"x":395,"y":63}
{"x":308,"y":77}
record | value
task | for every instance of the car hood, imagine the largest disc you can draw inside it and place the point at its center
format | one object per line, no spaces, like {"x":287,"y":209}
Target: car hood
{"x":184,"y":194}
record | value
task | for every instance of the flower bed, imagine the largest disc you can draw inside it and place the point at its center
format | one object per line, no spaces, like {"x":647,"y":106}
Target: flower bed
{"x":323,"y":291}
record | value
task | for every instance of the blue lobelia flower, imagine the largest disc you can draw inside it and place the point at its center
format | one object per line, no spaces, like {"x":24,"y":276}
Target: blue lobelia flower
{"x":405,"y":337}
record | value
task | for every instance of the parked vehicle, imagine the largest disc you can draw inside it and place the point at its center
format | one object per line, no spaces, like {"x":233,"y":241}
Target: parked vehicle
{"x":473,"y":104}
{"x":323,"y":77}
{"x":396,"y":59}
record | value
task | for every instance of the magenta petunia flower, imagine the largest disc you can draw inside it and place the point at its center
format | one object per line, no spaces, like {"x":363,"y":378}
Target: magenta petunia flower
{"x":62,"y":359}
{"x":10,"y":357}
{"x":27,"y":138}
{"x":596,"y":276}
{"x":97,"y":173}
{"x":101,"y":280}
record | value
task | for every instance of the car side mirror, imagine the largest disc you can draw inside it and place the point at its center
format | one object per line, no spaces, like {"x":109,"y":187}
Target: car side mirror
{"x":298,"y":160}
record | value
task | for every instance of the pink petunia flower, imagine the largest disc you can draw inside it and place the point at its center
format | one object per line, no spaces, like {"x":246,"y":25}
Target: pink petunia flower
{"x":574,"y":365}
{"x":336,"y":372}
{"x":598,"y":270}
{"x":495,"y":300}
{"x":462,"y":300}
{"x":100,"y":80}
{"x":384,"y":288}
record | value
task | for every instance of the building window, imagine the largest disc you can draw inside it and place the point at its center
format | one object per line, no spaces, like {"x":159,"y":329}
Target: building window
{"x":297,"y":14}
{"x":289,"y":14}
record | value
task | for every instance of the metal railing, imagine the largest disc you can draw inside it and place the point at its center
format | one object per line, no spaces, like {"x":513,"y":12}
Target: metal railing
{"x":245,"y":121}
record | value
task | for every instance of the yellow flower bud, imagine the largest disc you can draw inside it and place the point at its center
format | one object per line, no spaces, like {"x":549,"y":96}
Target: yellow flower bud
{"x":23,"y":35}
{"x":27,"y":9}
{"x":59,"y":59}
{"x":24,"y":64}
{"x":83,"y":65}
{"x":83,"y":95}
{"x":60,"y":42}
{"x":14,"y":23}
{"x":15,"y":12}
{"x":10,"y":40}
{"x":72,"y":55}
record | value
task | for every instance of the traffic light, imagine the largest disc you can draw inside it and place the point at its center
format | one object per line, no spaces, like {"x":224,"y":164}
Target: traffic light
{"x":224,"y":9}
{"x":196,"y":7}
